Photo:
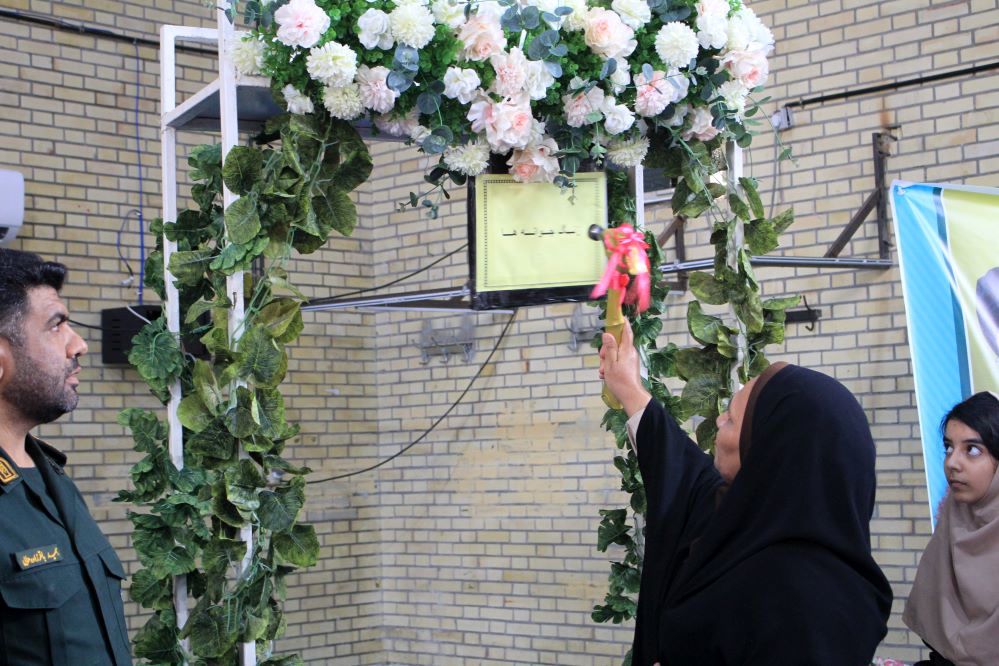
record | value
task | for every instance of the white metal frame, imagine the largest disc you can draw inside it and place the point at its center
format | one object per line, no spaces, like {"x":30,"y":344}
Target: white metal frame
{"x":174,"y":116}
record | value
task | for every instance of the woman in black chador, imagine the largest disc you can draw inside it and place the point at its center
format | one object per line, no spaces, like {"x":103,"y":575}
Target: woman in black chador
{"x":763,"y":557}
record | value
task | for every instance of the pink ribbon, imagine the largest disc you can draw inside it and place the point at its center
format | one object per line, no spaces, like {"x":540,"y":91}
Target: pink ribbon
{"x":626,"y":250}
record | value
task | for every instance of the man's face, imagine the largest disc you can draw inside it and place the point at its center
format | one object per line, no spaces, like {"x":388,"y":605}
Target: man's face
{"x":44,"y":364}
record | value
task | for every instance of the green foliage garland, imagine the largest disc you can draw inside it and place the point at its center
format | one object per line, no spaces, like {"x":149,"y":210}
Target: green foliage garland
{"x":190,"y":519}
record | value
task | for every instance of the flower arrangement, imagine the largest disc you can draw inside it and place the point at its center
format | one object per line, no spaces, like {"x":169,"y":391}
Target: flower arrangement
{"x":545,"y":84}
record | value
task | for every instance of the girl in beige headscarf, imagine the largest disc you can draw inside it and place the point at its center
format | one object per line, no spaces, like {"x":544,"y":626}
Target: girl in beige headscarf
{"x":954,"y":604}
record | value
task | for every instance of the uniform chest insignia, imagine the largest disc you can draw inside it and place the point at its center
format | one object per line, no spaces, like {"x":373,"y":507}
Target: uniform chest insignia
{"x":7,"y":473}
{"x":33,"y":557}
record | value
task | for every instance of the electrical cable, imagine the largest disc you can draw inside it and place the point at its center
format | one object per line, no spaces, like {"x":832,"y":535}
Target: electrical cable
{"x":138,"y":167}
{"x":117,"y":245}
{"x":443,"y":416}
{"x":334,"y":299}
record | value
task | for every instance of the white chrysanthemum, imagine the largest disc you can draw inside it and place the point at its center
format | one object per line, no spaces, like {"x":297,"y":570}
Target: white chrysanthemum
{"x":412,"y":25}
{"x":446,"y":12}
{"x":297,"y":101}
{"x":734,"y":94}
{"x":628,"y":153}
{"x":676,"y":44}
{"x":712,"y":31}
{"x":634,"y":13}
{"x":332,"y":64}
{"x":374,"y":30}
{"x":248,"y":56}
{"x":577,"y":19}
{"x":343,"y":102}
{"x":470,"y":159}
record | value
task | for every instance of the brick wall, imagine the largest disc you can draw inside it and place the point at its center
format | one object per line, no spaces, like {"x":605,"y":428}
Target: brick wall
{"x":478,"y":544}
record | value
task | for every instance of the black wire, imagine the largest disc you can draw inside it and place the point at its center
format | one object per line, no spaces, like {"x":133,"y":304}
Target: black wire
{"x":426,"y":432}
{"x":334,"y":299}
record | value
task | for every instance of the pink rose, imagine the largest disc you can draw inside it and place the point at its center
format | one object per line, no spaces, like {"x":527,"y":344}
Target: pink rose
{"x":607,"y":35}
{"x":507,"y":124}
{"x":536,"y":163}
{"x":700,"y":126}
{"x":482,"y":36}
{"x":578,"y":106}
{"x":301,"y":23}
{"x":651,"y":97}
{"x":749,"y":67}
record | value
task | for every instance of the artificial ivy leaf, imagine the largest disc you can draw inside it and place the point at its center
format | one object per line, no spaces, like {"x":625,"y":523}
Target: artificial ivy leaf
{"x":270,"y":412}
{"x":277,"y":462}
{"x":704,"y":328}
{"x":158,"y":641}
{"x":706,"y":288}
{"x":175,"y":562}
{"x":152,"y":538}
{"x":279,"y":509}
{"x":223,"y":509}
{"x":193,"y":414}
{"x":261,"y":360}
{"x":214,"y":444}
{"x":698,"y":396}
{"x":242,"y":168}
{"x":739,"y":207}
{"x":299,"y":547}
{"x":220,"y":554}
{"x":153,"y":275}
{"x":151,"y":591}
{"x":188,"y":267}
{"x":209,"y":631}
{"x":753,"y":196}
{"x":155,"y":353}
{"x":335,"y":210}
{"x":148,"y":431}
{"x":240,"y":419}
{"x":749,"y":309}
{"x":705,"y":433}
{"x":151,"y":475}
{"x":693,"y":361}
{"x":783,"y":221}
{"x":782,"y":303}
{"x":277,"y":315}
{"x":290,"y":660}
{"x":295,"y":328}
{"x":613,"y":528}
{"x":243,"y":482}
{"x":197,"y":309}
{"x":242,"y":220}
{"x":206,"y":385}
{"x":355,"y":162}
{"x":761,"y":237}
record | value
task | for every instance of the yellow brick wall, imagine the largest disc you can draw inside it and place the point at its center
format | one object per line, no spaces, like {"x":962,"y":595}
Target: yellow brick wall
{"x":477,"y":546}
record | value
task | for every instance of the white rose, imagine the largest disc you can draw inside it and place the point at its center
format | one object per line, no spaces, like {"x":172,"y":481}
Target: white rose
{"x":676,"y":44}
{"x":621,"y":77}
{"x":482,"y":36}
{"x":461,"y":84}
{"x":296,"y":101}
{"x":332,"y":64}
{"x":747,"y":32}
{"x":749,"y":67}
{"x":634,"y":13}
{"x":712,"y":31}
{"x":538,"y":79}
{"x":617,"y":117}
{"x":412,"y":25}
{"x":577,"y":19}
{"x":607,"y":35}
{"x":374,"y":30}
{"x":301,"y":23}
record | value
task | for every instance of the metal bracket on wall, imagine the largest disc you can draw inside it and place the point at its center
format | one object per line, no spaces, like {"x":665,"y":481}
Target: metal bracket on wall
{"x":675,"y":231}
{"x":446,"y":341}
{"x":583,"y":326}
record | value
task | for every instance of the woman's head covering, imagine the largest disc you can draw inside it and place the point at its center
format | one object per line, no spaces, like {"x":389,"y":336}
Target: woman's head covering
{"x":785,"y":566}
{"x":954,"y":603}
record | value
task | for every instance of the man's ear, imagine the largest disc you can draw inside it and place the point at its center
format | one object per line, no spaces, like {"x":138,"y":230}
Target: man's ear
{"x":6,"y":360}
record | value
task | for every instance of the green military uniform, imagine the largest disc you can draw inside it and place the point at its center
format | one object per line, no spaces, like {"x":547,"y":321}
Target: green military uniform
{"x":60,"y":580}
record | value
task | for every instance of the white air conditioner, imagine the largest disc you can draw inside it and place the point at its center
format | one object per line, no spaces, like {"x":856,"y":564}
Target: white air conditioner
{"x":11,"y":205}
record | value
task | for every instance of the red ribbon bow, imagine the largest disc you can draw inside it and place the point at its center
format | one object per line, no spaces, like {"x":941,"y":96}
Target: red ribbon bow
{"x":627,"y":256}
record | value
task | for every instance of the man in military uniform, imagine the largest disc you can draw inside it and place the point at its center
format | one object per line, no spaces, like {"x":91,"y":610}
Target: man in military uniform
{"x":60,"y":580}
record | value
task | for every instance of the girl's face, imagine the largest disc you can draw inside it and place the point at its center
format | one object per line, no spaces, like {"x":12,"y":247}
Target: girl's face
{"x":968,"y":464}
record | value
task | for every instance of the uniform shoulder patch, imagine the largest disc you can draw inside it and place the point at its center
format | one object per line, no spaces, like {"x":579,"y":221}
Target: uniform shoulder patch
{"x":7,"y":473}
{"x":33,"y":557}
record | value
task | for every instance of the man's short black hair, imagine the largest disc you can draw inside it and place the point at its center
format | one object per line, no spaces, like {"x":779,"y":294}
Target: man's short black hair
{"x":19,"y":272}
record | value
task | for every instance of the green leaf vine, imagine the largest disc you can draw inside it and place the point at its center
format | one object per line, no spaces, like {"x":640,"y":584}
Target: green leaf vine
{"x":187,"y":521}
{"x":730,"y":341}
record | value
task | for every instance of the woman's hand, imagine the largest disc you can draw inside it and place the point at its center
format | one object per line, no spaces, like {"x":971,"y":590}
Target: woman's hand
{"x":619,"y":368}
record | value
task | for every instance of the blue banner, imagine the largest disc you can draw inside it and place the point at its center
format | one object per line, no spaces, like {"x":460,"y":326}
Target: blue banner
{"x":948,"y":248}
